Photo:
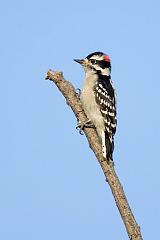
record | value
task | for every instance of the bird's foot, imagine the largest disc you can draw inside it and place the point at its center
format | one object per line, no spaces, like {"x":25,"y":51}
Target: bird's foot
{"x":78,"y":93}
{"x":87,"y":124}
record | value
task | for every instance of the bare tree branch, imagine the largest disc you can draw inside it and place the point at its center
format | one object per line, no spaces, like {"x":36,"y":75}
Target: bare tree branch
{"x":73,"y":101}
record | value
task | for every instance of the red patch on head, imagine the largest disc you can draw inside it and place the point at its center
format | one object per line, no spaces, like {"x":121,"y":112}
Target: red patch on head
{"x":106,"y":58}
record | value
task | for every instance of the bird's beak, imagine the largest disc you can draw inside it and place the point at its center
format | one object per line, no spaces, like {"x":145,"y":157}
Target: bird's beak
{"x":80,"y":61}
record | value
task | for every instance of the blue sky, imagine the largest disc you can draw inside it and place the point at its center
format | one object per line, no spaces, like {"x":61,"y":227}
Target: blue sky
{"x":51,"y":185}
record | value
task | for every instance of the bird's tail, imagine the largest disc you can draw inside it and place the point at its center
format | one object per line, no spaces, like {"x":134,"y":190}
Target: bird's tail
{"x":107,"y":146}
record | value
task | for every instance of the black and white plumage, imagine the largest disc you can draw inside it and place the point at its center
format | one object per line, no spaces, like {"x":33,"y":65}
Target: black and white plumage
{"x":98,"y":99}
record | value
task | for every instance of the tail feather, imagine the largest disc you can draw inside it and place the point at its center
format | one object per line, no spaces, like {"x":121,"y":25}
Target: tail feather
{"x":107,"y":146}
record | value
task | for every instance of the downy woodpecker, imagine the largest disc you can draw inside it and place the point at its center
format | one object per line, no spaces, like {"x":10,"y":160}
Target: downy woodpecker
{"x":99,"y":100}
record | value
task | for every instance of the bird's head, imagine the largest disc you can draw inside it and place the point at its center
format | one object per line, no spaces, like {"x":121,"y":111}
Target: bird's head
{"x":96,"y":63}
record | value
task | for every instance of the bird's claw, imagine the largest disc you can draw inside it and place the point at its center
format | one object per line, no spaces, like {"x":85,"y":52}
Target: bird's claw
{"x":81,"y":125}
{"x":81,"y":132}
{"x":78,"y":92}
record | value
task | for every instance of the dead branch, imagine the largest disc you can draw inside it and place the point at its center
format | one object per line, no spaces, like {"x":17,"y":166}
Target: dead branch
{"x":73,"y":101}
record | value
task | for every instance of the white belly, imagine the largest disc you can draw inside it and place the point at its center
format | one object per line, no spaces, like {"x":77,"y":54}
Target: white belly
{"x":90,"y":106}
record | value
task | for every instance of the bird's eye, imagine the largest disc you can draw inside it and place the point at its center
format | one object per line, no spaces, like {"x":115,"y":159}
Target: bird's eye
{"x":93,"y":61}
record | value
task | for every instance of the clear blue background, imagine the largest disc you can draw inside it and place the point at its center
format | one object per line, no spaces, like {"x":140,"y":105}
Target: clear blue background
{"x":51,"y":186}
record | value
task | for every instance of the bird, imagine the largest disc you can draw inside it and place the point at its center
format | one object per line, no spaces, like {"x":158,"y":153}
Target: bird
{"x":98,"y":98}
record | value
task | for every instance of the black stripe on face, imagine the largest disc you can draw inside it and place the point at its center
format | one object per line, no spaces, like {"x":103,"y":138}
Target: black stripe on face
{"x":104,"y":64}
{"x":101,"y":65}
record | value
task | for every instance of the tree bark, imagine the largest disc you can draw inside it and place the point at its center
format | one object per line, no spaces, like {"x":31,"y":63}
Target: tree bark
{"x":73,"y":101}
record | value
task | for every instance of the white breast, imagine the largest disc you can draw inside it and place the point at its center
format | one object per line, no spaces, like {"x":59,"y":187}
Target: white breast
{"x":89,"y":104}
